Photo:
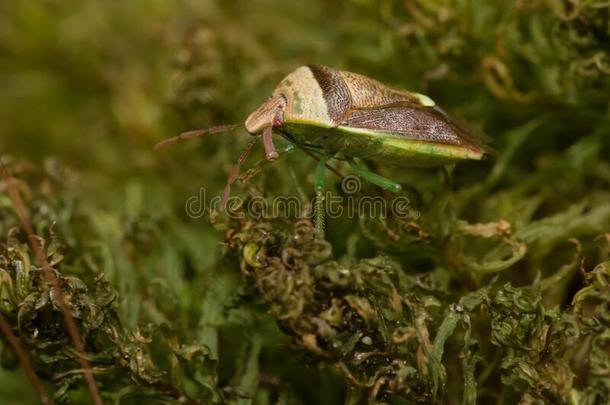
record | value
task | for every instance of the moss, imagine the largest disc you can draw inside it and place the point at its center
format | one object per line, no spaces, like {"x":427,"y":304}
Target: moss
{"x":491,"y":288}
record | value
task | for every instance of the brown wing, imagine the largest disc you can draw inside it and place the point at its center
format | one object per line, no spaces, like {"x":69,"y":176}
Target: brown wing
{"x":413,"y":121}
{"x":343,"y":91}
{"x":468,"y":135}
{"x":367,"y":92}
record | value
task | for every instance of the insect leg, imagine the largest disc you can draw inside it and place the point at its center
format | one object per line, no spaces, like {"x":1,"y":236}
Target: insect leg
{"x":319,"y":202}
{"x":295,"y":180}
{"x":234,"y":173}
{"x":270,"y":151}
{"x":374,"y":178}
{"x":446,"y":197}
{"x":258,"y":166}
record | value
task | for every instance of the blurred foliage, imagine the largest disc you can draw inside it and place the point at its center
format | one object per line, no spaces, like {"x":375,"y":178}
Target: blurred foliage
{"x":497,"y":292}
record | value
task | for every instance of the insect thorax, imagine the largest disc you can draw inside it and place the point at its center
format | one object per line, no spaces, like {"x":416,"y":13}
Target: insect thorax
{"x":305,"y":100}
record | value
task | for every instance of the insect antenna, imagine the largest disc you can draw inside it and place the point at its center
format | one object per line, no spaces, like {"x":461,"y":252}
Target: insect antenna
{"x":234,"y":173}
{"x":196,"y":134}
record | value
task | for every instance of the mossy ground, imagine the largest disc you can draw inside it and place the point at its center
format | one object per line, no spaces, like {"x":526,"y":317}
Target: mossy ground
{"x":497,"y":291}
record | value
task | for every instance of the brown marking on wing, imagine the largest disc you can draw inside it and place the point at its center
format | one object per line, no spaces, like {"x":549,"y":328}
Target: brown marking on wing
{"x":412,"y":121}
{"x":357,"y":101}
{"x":334,"y":89}
{"x":367,"y":92}
{"x":470,"y":137}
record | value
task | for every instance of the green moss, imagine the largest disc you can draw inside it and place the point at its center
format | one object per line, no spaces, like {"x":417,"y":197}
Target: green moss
{"x":494,"y":289}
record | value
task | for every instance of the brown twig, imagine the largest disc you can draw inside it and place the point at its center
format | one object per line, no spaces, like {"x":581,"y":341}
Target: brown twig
{"x":24,"y":360}
{"x":52,"y":279}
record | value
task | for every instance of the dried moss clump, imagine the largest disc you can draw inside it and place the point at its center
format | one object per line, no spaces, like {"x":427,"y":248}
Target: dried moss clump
{"x":395,"y":334}
{"x":145,"y":362}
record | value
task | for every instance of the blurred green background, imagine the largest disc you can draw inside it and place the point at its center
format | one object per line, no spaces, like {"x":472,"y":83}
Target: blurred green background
{"x":88,"y":87}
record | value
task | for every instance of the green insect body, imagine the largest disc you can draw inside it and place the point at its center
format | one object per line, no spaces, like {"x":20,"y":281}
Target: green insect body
{"x":333,"y":113}
{"x":345,"y":113}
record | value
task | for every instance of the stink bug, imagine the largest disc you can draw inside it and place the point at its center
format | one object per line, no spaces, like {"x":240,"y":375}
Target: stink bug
{"x":333,"y":113}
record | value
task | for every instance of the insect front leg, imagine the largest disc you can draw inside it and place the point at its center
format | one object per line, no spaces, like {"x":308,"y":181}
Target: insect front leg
{"x":260,"y":165}
{"x":374,"y":178}
{"x":270,"y":151}
{"x":278,"y":120}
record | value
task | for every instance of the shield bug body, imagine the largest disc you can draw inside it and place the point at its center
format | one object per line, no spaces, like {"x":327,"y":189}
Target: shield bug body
{"x":334,"y":113}
{"x":346,"y":113}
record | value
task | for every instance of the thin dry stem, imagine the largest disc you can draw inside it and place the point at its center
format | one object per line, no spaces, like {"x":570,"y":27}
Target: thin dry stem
{"x":51,"y":278}
{"x":24,"y":359}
